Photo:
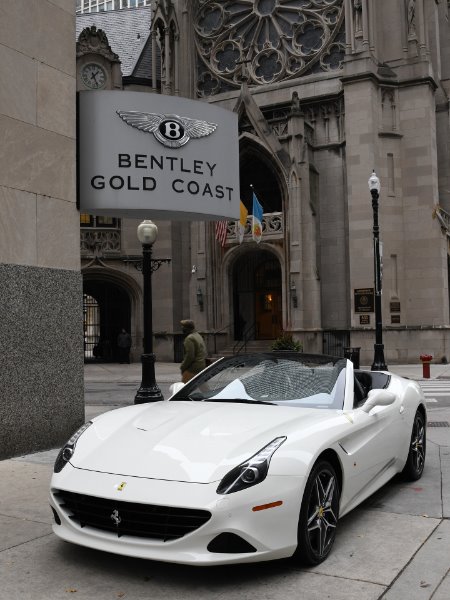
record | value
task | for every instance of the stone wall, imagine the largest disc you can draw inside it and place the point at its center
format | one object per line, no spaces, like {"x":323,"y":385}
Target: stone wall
{"x":41,"y":383}
{"x":41,"y":358}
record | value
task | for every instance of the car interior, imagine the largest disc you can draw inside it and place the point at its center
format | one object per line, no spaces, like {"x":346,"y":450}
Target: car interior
{"x":364,"y":381}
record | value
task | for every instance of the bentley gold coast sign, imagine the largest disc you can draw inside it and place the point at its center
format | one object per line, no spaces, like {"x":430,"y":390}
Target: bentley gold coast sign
{"x":148,"y":155}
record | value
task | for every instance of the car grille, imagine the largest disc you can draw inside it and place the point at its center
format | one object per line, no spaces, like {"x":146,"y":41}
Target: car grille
{"x":128,"y":518}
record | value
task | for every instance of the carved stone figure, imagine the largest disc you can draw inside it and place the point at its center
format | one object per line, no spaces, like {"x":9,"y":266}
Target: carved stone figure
{"x":357,"y":6}
{"x":295,"y":104}
{"x":411,"y":18}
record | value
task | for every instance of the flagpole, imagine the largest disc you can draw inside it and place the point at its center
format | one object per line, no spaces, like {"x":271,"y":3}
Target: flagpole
{"x":253,"y":189}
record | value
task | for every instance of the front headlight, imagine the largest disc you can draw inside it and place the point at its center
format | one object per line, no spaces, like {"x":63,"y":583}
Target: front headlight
{"x":66,"y":452}
{"x":252,"y":471}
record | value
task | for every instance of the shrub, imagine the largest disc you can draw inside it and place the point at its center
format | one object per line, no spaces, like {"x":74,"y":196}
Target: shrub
{"x":286,"y":342}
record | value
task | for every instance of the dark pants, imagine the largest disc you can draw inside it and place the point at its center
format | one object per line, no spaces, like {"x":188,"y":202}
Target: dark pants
{"x":124,"y":355}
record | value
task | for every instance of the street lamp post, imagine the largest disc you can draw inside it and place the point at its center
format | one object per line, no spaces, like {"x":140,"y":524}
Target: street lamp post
{"x":378,"y":359}
{"x":149,"y":390}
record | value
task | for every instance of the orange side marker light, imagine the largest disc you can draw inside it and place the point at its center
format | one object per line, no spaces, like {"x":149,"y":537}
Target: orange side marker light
{"x":266,"y":506}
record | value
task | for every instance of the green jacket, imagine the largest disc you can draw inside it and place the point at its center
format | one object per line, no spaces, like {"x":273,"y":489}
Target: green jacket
{"x":194,"y":353}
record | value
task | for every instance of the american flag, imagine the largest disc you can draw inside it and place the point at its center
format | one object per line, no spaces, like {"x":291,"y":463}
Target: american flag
{"x":221,"y":232}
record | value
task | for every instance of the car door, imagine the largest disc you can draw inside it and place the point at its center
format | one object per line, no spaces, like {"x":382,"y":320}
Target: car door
{"x":372,"y":445}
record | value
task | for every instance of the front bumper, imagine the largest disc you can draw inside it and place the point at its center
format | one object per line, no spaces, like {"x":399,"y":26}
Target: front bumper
{"x":272,"y":531}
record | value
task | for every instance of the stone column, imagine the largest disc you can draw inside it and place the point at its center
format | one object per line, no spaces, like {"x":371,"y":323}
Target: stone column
{"x":177,"y":64}
{"x":154,"y":60}
{"x":168,"y":61}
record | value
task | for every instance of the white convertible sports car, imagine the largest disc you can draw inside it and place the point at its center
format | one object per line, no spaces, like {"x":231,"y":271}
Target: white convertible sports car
{"x":254,"y":459}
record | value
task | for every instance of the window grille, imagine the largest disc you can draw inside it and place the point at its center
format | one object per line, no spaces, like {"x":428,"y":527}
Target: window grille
{"x":91,"y":323}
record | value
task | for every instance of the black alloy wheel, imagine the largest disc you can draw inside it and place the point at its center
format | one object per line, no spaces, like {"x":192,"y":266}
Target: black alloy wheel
{"x":318,"y":515}
{"x":415,"y":462}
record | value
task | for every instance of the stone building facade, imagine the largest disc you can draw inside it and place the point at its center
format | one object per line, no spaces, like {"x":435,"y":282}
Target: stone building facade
{"x":41,"y":382}
{"x":325,"y":93}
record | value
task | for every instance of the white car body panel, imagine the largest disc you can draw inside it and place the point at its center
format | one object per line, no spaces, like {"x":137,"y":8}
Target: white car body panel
{"x":270,"y":529}
{"x":192,"y":441}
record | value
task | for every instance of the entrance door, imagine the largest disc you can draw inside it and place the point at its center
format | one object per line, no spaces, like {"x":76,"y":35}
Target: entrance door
{"x":257,"y":296}
{"x":268,"y":315}
{"x":268,"y":309}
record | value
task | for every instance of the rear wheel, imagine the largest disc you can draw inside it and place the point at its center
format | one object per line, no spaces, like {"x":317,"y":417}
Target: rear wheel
{"x":415,"y":462}
{"x":318,"y":515}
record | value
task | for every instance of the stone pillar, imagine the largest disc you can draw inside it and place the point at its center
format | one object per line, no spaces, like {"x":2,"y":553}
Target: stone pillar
{"x":154,"y":61}
{"x":168,"y":61}
{"x":177,"y":64}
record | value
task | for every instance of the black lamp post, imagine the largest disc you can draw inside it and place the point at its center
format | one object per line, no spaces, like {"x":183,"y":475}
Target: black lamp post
{"x":378,"y":358}
{"x":149,"y":390}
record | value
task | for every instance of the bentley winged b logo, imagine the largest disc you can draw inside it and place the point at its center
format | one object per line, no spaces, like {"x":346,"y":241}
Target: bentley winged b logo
{"x":171,"y":130}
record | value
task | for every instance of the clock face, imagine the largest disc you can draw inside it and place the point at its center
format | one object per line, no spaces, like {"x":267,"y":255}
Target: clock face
{"x":93,"y":76}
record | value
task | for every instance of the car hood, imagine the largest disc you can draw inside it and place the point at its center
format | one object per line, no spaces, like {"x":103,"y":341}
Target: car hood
{"x":187,"y":441}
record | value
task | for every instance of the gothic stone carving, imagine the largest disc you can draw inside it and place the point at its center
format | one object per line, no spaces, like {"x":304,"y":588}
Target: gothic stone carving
{"x":275,"y":40}
{"x":94,"y":41}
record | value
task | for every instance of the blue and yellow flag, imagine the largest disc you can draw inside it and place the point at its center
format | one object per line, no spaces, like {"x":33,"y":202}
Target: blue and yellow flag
{"x":257,"y":219}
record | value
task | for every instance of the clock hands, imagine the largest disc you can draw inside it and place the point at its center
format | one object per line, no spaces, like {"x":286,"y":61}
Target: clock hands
{"x":94,"y":76}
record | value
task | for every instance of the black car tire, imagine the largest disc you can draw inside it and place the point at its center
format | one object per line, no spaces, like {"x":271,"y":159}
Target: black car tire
{"x":415,"y":462}
{"x":318,"y":515}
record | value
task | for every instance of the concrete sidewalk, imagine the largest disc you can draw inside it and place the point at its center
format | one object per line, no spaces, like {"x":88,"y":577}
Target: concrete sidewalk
{"x":395,"y":546}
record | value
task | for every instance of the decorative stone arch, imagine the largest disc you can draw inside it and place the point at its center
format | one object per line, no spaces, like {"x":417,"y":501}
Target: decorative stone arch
{"x":122,"y":309}
{"x":251,"y":150}
{"x":227,"y":281}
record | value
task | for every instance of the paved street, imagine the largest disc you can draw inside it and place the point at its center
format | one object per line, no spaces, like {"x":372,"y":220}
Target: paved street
{"x":437,"y":392}
{"x":395,"y":546}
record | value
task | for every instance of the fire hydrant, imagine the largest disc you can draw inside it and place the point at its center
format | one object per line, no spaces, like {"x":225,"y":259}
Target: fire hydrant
{"x":426,"y":360}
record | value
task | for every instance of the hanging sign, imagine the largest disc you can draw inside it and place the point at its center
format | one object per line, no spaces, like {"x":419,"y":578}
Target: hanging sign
{"x":155,"y":156}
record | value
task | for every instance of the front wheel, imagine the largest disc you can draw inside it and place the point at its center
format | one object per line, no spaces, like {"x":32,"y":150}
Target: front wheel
{"x":318,"y":515}
{"x":415,"y":462}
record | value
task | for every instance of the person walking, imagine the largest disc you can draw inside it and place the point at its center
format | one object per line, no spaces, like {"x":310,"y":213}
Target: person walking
{"x":124,"y":345}
{"x":194,"y":358}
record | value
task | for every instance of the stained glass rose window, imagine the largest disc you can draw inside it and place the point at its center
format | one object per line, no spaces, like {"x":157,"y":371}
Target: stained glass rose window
{"x":275,"y":39}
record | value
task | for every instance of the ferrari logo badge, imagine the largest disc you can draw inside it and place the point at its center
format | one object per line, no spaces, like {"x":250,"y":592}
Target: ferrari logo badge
{"x":170,"y":130}
{"x":115,"y":517}
{"x":121,"y":486}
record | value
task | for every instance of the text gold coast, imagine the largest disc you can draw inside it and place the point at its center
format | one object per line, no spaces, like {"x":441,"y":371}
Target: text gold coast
{"x":181,"y":183}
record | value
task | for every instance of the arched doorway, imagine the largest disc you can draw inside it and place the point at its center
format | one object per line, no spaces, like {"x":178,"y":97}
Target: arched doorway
{"x":257,"y":297}
{"x":106,"y":310}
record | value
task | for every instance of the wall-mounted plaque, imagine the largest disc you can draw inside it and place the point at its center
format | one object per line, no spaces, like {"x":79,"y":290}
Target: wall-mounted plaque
{"x":364,"y":300}
{"x":364,"y":319}
{"x":395,"y":319}
{"x":395,"y":307}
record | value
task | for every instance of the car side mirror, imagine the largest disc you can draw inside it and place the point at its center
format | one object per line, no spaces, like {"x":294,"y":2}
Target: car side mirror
{"x":378,"y":398}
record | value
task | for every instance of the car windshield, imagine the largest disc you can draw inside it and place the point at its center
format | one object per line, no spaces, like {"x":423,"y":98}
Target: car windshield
{"x":292,"y":380}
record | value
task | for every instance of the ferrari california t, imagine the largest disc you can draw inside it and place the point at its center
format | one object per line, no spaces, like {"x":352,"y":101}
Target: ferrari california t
{"x":256,"y":458}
